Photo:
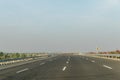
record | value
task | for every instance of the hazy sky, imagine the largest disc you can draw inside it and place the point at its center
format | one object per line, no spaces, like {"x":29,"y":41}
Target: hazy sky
{"x":59,"y":25}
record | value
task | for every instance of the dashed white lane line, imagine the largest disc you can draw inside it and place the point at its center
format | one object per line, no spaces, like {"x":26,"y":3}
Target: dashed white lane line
{"x":64,"y":68}
{"x":107,"y":66}
{"x":86,"y":58}
{"x":22,"y":70}
{"x":67,"y":62}
{"x":93,"y":61}
{"x":42,"y":63}
{"x":68,"y":59}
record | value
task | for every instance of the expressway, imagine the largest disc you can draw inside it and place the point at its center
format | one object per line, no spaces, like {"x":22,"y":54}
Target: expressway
{"x":65,"y":67}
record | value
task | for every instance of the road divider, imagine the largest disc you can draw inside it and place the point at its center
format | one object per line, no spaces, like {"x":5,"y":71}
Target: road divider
{"x":9,"y":64}
{"x":15,"y":61}
{"x":105,"y":56}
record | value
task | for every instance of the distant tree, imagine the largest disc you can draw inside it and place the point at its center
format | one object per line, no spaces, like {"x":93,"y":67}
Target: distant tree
{"x":6,"y":56}
{"x":113,"y":52}
{"x":23,"y":55}
{"x":13,"y":55}
{"x":17,"y":55}
{"x":1,"y":53}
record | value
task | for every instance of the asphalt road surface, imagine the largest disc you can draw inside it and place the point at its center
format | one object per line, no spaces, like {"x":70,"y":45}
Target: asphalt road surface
{"x":65,"y":68}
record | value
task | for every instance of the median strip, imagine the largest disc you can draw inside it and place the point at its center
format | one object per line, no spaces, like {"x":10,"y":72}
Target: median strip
{"x":107,"y":66}
{"x":22,"y":70}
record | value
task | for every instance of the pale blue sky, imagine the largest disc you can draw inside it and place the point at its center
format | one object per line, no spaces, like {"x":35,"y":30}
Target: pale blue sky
{"x":59,"y":25}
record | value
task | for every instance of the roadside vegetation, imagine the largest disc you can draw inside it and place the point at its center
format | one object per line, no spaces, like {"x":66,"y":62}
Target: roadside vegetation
{"x":110,"y":52}
{"x":8,"y":56}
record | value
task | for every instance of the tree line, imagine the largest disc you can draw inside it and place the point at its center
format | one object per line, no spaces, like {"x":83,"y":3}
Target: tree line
{"x":110,"y":52}
{"x":4,"y":56}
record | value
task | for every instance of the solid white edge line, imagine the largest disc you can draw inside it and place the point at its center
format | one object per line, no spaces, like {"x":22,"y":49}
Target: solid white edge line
{"x":22,"y":70}
{"x":64,"y":68}
{"x":107,"y":66}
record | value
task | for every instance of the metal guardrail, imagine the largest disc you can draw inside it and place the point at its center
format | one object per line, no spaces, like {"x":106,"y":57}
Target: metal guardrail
{"x":117,"y":56}
{"x":14,"y":61}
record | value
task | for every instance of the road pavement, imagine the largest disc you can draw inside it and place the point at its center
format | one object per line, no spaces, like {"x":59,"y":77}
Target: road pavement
{"x":65,"y":68}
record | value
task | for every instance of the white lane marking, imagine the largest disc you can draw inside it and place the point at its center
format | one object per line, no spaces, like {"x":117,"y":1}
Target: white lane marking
{"x":67,"y":62}
{"x":68,"y":59}
{"x":64,"y":68}
{"x":107,"y":66}
{"x":42,"y":63}
{"x":93,"y":61}
{"x":22,"y":70}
